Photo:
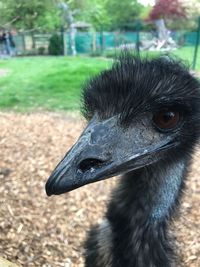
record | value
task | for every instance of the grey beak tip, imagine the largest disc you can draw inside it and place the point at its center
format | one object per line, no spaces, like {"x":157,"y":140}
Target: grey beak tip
{"x":48,"y":190}
{"x":48,"y":194}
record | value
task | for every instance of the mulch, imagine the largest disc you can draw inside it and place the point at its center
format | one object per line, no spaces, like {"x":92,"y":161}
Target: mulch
{"x":39,"y":231}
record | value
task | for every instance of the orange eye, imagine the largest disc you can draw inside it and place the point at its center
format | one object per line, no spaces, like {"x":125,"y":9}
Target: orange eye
{"x":166,"y":119}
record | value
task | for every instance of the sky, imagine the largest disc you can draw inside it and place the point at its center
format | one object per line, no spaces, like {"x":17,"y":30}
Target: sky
{"x":147,"y":2}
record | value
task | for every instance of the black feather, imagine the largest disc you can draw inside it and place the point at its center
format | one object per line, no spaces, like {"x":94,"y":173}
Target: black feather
{"x":131,"y":87}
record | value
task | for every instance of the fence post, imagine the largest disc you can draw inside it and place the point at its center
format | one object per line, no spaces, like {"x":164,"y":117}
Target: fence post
{"x":101,"y":39}
{"x":196,"y":45}
{"x":64,"y":43}
{"x":94,"y":47}
{"x":137,"y":45}
{"x":23,"y":42}
{"x":63,"y":36}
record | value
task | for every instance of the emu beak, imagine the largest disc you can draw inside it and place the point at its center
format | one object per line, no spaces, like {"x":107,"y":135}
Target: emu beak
{"x":105,"y":149}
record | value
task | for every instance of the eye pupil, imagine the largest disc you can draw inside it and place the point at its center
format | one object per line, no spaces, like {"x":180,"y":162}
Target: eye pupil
{"x":168,"y":116}
{"x":166,"y":119}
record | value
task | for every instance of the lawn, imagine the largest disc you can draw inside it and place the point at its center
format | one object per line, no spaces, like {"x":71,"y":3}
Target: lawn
{"x":184,"y":53}
{"x":49,"y":83}
{"x":53,"y":83}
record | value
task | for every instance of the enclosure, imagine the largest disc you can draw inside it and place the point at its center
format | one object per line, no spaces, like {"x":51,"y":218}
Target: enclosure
{"x":139,"y":35}
{"x":41,"y":231}
{"x":48,"y":51}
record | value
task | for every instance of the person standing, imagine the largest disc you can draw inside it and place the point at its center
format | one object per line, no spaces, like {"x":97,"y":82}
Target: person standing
{"x":11,"y":44}
{"x":2,"y":44}
{"x":7,"y":44}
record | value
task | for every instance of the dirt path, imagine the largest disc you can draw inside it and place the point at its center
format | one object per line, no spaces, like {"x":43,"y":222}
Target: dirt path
{"x":47,"y":232}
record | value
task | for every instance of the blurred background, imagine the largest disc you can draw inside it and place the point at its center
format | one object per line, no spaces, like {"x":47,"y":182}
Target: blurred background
{"x":47,"y":51}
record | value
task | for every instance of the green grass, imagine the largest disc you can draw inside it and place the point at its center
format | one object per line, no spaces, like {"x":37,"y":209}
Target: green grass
{"x":187,"y":54}
{"x":54,"y":83}
{"x":49,"y":83}
{"x":184,"y":53}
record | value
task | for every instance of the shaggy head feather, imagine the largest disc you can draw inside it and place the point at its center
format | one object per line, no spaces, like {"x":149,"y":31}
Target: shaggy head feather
{"x":134,"y":86}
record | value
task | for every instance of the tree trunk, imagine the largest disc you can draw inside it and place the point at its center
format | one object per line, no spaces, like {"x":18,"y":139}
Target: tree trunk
{"x":164,"y":38}
{"x":33,"y":40}
{"x":163,"y":33}
{"x":67,"y":16}
{"x":72,"y":35}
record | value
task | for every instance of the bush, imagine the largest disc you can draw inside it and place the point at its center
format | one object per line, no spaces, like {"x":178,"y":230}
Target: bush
{"x":56,"y":45}
{"x":112,"y":53}
{"x":41,"y":50}
{"x":96,"y":53}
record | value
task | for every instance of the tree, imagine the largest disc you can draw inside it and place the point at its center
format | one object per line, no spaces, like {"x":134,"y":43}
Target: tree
{"x":45,"y":15}
{"x":107,"y":14}
{"x":91,"y":11}
{"x":123,"y":12}
{"x":35,"y":14}
{"x":98,"y":14}
{"x":162,"y":10}
{"x":192,"y":7}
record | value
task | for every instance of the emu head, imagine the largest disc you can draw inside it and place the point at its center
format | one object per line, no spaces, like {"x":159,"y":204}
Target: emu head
{"x":140,"y":112}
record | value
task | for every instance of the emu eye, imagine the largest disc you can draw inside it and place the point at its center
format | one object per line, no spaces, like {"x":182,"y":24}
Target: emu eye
{"x":166,"y":120}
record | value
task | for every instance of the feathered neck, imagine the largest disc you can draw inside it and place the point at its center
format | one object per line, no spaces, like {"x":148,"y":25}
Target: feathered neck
{"x":139,"y":214}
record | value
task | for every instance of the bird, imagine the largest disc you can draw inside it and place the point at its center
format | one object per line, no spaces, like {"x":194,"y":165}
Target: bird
{"x":143,"y":126}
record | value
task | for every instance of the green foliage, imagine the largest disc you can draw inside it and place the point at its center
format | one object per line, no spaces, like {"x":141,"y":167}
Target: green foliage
{"x":182,"y":24}
{"x":123,"y":12}
{"x":91,"y":11}
{"x":106,"y":14}
{"x":145,"y":10}
{"x":41,"y":50}
{"x":101,"y":14}
{"x":56,"y":45}
{"x":45,"y":15}
{"x":98,"y":14}
{"x":35,"y":14}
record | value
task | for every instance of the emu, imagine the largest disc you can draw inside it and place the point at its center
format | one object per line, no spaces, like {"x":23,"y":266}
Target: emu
{"x":143,"y":123}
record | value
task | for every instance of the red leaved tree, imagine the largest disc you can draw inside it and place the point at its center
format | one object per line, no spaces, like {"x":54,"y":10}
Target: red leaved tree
{"x":162,"y":10}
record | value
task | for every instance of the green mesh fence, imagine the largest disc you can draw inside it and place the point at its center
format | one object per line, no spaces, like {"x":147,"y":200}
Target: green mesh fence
{"x":84,"y":40}
{"x":107,"y":40}
{"x":107,"y":43}
{"x":103,"y":40}
{"x":31,"y":44}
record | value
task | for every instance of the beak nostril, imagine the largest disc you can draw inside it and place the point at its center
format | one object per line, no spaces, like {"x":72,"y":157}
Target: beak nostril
{"x":89,"y":164}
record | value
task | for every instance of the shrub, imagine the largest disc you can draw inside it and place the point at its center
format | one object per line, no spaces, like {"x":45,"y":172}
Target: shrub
{"x":97,"y":53}
{"x":56,"y":45}
{"x":41,"y":50}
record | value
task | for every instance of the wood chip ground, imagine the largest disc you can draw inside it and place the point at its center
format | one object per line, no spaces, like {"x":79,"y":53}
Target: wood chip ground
{"x":39,"y":231}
